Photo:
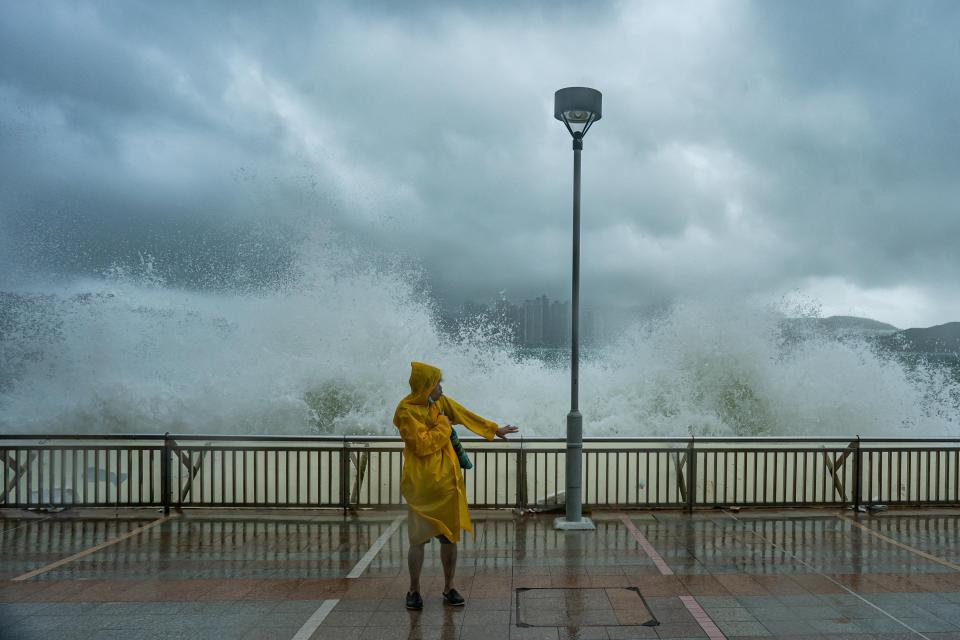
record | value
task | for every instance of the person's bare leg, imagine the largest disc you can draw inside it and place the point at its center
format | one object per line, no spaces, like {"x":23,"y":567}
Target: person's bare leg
{"x":415,"y":565}
{"x":448,"y":556}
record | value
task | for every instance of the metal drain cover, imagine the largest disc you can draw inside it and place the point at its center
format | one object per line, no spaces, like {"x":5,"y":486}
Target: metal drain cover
{"x":574,"y":607}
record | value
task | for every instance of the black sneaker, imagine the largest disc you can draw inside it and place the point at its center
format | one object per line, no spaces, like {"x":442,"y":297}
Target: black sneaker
{"x":414,"y":601}
{"x":453,"y":598}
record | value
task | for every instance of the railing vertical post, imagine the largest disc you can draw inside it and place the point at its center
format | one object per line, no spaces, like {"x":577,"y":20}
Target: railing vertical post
{"x":165,"y":473}
{"x":691,"y":476}
{"x":344,"y":476}
{"x":857,"y":473}
{"x":521,"y":478}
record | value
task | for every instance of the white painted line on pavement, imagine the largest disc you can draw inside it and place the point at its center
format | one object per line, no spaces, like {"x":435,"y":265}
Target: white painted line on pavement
{"x":896,"y":543}
{"x":86,"y":552}
{"x":658,"y":560}
{"x":314,"y":621}
{"x":368,"y":557}
{"x":839,"y":584}
{"x":705,"y":621}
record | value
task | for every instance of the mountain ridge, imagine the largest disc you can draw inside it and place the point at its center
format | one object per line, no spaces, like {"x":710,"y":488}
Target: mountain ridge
{"x":942,"y":339}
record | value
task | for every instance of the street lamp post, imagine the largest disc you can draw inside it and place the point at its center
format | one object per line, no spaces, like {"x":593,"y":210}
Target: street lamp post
{"x":578,"y":108}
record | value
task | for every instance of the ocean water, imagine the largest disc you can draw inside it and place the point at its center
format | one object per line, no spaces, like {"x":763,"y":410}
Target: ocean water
{"x":327,"y":350}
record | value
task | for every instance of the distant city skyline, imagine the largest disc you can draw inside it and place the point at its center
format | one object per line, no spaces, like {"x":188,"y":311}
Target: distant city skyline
{"x":601,"y":321}
{"x":542,"y":321}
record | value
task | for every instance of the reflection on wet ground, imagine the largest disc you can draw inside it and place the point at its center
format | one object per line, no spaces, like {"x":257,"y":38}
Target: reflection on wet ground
{"x":789,"y":574}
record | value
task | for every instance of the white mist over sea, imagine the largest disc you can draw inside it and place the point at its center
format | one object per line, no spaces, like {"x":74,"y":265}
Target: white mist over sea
{"x":328,"y":351}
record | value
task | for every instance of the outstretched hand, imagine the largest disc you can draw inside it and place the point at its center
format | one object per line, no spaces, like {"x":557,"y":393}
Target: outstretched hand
{"x":505,"y":429}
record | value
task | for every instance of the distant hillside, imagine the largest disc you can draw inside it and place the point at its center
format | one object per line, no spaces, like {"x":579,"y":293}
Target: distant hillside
{"x":852,"y":324}
{"x":943,"y":338}
{"x":839,"y":327}
{"x":940,"y":343}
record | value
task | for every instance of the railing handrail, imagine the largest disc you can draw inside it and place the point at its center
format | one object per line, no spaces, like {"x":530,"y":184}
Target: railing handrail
{"x":185,"y":437}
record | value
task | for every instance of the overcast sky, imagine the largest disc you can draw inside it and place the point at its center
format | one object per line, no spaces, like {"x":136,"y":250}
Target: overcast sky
{"x":773,"y":148}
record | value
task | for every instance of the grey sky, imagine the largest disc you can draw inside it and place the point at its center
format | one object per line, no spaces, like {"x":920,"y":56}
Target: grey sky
{"x":746,"y":147}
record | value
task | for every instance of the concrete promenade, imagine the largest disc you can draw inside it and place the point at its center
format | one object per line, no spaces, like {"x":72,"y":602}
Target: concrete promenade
{"x":294,"y":575}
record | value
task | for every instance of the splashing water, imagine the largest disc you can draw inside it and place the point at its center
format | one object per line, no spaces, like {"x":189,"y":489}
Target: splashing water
{"x":705,"y":370}
{"x":328,"y":351}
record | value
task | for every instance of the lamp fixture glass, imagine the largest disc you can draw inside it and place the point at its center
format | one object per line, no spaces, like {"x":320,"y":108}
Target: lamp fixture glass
{"x":578,"y":108}
{"x":577,"y":116}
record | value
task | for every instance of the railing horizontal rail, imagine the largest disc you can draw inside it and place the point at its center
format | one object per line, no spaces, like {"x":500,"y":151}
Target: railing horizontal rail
{"x":515,"y":439}
{"x":81,"y":447}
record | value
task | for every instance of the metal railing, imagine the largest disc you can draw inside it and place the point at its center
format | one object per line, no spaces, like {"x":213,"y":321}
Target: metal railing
{"x":364,"y":471}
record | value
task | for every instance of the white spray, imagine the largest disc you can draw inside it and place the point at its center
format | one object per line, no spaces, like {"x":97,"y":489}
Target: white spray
{"x":329,"y":351}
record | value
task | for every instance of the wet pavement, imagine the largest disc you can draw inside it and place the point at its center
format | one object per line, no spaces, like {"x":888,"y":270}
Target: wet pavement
{"x":294,"y":575}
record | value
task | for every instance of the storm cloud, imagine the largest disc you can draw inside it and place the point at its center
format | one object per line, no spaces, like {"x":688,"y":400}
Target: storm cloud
{"x":746,"y":148}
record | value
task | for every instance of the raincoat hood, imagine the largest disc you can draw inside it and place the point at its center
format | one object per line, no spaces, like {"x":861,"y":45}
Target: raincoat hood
{"x":423,"y":379}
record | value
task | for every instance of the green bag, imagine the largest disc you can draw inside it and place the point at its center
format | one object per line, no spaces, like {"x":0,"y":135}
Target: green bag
{"x":461,"y":454}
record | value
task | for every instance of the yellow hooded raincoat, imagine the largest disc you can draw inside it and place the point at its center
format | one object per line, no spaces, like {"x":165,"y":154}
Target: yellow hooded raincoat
{"x":431,"y":481}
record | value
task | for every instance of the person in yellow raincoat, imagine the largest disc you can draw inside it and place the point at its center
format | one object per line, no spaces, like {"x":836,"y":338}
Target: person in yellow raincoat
{"x":431,"y":481}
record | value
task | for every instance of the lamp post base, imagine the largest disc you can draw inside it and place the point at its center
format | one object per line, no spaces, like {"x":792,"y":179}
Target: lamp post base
{"x":584,"y":524}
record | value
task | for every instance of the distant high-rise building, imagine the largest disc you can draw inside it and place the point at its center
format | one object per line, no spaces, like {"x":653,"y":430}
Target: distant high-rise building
{"x":559,"y":334}
{"x":589,"y":326}
{"x":537,"y":322}
{"x":545,"y":315}
{"x":510,"y":316}
{"x":545,"y":323}
{"x":533,"y":322}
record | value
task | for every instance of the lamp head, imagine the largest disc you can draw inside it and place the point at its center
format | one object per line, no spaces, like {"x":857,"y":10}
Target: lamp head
{"x":578,"y":108}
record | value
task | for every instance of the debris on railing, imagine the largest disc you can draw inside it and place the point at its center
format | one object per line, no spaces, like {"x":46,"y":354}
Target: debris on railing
{"x":360,"y":460}
{"x":834,"y":468}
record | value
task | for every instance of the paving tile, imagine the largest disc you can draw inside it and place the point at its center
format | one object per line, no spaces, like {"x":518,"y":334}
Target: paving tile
{"x":838,"y":625}
{"x":672,"y":615}
{"x":475,"y":617}
{"x":708,"y":602}
{"x":945,"y":610}
{"x":741,"y":628}
{"x":298,"y":606}
{"x":71,"y":609}
{"x":879,"y":624}
{"x":789,"y":627}
{"x":679,"y":630}
{"x":800,"y":600}
{"x":583,"y":633}
{"x":484,"y":631}
{"x":631,"y":632}
{"x":858,"y":611}
{"x":731,"y":614}
{"x":265,"y":633}
{"x":817,"y":612}
{"x":116,"y":608}
{"x":44,"y":622}
{"x":491,"y":604}
{"x":126,"y":634}
{"x":338,"y":633}
{"x":765,"y":614}
{"x":930,"y":624}
{"x":346,"y":618}
{"x":13,"y":610}
{"x":531,"y":633}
